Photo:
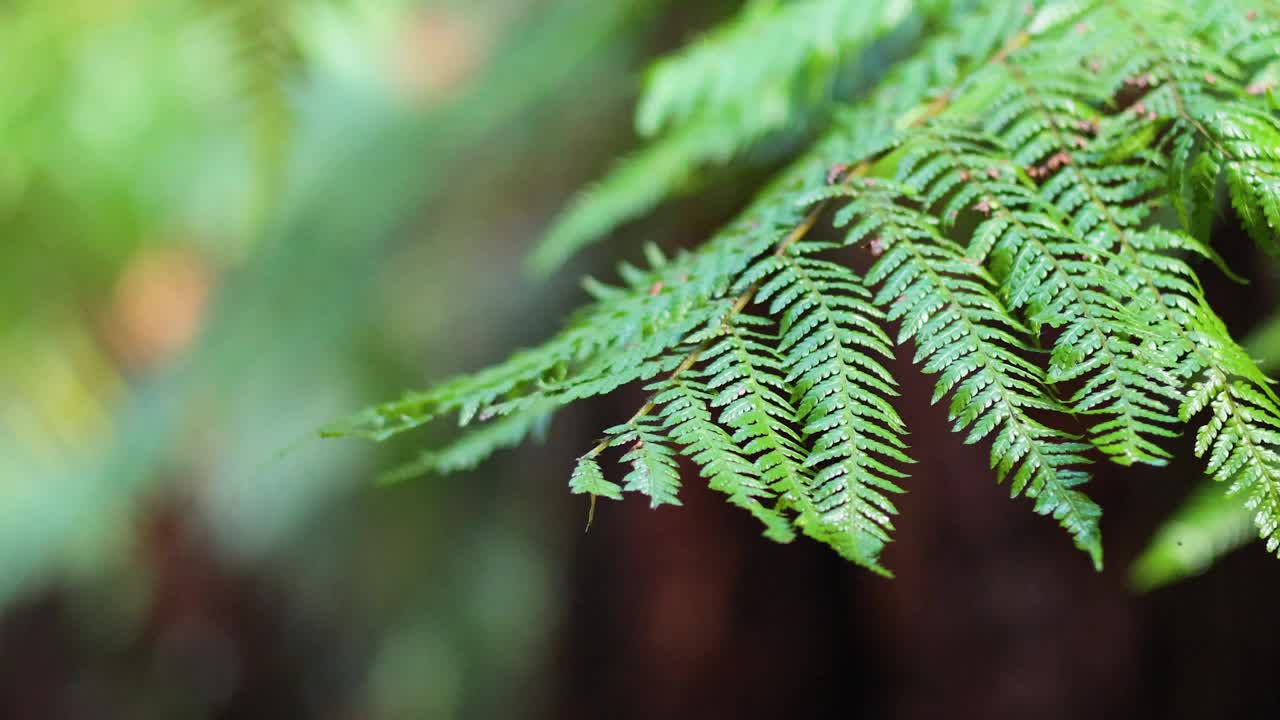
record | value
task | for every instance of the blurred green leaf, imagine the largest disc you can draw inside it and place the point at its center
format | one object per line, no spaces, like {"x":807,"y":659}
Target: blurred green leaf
{"x":1210,"y":523}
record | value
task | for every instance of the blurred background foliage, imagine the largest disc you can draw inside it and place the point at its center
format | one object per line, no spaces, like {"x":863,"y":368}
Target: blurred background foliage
{"x":228,"y":222}
{"x":231,"y":221}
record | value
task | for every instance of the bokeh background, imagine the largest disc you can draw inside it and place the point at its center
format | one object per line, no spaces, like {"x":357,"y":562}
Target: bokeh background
{"x":229,"y":222}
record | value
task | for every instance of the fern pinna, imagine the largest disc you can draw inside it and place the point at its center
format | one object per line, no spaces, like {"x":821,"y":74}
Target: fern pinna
{"x":1036,"y":183}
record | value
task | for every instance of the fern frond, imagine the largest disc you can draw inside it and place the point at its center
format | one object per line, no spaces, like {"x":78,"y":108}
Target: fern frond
{"x":830,"y":337}
{"x":587,"y":479}
{"x":1204,"y":97}
{"x":653,"y":465}
{"x":962,"y":332}
{"x":752,"y":394}
{"x":686,"y":411}
{"x":473,"y":448}
{"x":846,"y":511}
{"x":1248,"y":146}
{"x":1211,"y":523}
{"x":1055,"y":278}
{"x":1241,"y":438}
{"x":774,"y":68}
{"x":1036,"y":185}
{"x":746,"y":373}
{"x":756,"y":69}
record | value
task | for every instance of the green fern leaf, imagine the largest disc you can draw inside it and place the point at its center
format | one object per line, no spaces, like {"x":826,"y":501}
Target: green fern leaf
{"x":962,"y":332}
{"x":474,"y":447}
{"x":587,"y":479}
{"x":778,"y":54}
{"x":775,"y":69}
{"x":1036,"y":185}
{"x":687,"y":414}
{"x":653,"y":465}
{"x":830,"y":337}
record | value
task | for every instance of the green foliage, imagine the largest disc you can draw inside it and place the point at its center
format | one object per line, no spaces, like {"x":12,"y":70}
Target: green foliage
{"x":263,"y":55}
{"x":775,"y":68}
{"x":1211,"y":522}
{"x":1035,"y":183}
{"x":1207,"y":526}
{"x":945,"y":304}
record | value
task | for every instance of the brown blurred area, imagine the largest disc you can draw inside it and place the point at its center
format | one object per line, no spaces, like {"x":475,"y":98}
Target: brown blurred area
{"x":992,"y":613}
{"x":682,"y":613}
{"x":686,"y":613}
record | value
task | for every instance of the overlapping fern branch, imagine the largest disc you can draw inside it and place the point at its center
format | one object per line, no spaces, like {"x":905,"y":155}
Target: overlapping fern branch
{"x":775,"y":68}
{"x":1035,"y":185}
